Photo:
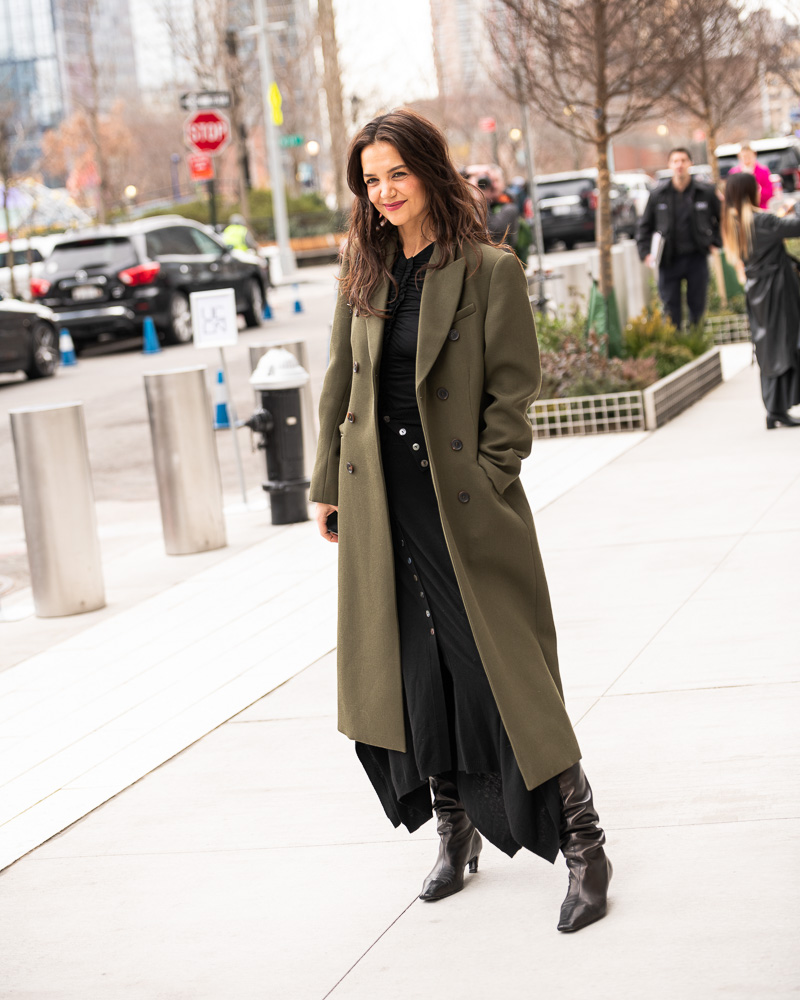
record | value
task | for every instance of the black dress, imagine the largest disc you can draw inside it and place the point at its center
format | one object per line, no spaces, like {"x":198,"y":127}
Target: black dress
{"x":773,"y":305}
{"x":452,"y":722}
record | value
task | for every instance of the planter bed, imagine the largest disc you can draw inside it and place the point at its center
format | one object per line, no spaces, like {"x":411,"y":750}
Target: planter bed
{"x":628,"y":411}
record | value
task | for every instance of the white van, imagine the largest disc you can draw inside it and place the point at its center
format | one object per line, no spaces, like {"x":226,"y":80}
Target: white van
{"x":29,"y":257}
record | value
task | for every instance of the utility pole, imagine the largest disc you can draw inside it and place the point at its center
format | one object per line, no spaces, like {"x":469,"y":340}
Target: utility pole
{"x":279,"y":210}
{"x":530,"y":166}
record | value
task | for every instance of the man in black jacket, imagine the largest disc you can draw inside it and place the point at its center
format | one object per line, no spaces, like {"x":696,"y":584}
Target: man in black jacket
{"x":685,"y":212}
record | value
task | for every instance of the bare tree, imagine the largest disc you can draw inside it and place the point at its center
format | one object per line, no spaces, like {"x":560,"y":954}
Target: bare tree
{"x":332,"y":81}
{"x":727,"y":56}
{"x":208,"y":44}
{"x":593,"y":69}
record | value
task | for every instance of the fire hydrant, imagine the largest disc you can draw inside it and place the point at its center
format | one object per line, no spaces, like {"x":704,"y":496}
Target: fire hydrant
{"x":278,"y":379}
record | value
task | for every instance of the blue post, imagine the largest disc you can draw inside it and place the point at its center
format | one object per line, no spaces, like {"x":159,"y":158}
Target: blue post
{"x":267,"y":310}
{"x":298,"y":305}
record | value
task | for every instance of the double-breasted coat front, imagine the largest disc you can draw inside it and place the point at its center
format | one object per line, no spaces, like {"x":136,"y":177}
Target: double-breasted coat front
{"x":477,"y":371}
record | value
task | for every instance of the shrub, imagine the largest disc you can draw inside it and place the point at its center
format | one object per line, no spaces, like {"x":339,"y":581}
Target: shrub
{"x":653,"y":335}
{"x":583,"y":369}
{"x":553,"y":331}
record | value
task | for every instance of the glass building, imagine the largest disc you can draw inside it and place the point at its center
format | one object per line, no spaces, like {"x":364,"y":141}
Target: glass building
{"x":44,"y":69}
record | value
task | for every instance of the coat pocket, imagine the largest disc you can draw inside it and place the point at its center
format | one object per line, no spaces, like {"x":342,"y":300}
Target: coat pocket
{"x":467,"y":310}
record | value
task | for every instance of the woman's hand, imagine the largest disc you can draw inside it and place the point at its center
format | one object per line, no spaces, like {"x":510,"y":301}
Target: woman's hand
{"x":324,"y":510}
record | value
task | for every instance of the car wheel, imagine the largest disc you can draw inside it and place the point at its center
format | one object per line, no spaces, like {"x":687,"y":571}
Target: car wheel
{"x":179,"y":330}
{"x":44,"y":351}
{"x":254,"y":313}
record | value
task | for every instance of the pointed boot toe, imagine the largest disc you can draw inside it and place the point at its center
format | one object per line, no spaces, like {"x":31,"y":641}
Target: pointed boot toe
{"x":582,"y":841}
{"x":587,"y":897}
{"x":460,"y":843}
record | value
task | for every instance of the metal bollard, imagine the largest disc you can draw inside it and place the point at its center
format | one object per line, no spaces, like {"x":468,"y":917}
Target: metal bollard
{"x":187,"y":466}
{"x":55,"y":485}
{"x":279,"y":380}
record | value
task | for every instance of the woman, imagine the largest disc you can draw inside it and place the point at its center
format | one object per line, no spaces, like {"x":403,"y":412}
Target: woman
{"x":447,"y":666}
{"x":748,"y":164}
{"x":754,"y":241}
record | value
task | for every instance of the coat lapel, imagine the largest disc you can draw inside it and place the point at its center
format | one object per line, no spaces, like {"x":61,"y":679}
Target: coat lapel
{"x":440,"y":297}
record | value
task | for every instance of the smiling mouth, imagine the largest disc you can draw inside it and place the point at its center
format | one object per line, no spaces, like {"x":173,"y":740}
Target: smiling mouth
{"x":393,"y":206}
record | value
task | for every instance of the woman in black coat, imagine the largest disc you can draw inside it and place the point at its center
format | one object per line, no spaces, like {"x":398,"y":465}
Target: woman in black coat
{"x":755,"y":239}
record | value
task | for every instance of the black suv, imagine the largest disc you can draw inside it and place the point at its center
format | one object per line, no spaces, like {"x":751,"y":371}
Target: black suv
{"x":567,"y":204}
{"x":108,"y":279}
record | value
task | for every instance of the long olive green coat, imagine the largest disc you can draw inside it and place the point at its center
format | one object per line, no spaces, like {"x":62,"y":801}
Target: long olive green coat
{"x":477,"y":373}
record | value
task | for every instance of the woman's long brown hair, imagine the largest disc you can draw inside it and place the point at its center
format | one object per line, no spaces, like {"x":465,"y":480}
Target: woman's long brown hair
{"x":741,"y":199}
{"x":457,"y":211}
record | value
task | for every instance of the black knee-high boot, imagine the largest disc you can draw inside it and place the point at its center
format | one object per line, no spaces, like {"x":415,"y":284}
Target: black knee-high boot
{"x":582,"y":841}
{"x":459,"y":845}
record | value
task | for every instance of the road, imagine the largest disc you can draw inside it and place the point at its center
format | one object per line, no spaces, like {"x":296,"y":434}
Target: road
{"x":108,"y":379}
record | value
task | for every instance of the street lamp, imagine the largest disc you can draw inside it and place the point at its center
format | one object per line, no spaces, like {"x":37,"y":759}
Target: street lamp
{"x":313,"y":148}
{"x":515,"y":134}
{"x":130,"y":196}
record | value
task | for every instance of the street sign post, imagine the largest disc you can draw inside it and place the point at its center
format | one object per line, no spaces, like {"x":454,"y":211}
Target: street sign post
{"x":288,"y":141}
{"x":204,"y":99}
{"x":208,"y":133}
{"x":214,"y":324}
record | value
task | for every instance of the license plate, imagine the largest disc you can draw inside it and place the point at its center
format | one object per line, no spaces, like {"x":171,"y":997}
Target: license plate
{"x":562,"y":210}
{"x":84,"y":292}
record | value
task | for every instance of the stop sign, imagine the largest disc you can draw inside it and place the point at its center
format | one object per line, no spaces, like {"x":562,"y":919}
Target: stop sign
{"x":207,"y":132}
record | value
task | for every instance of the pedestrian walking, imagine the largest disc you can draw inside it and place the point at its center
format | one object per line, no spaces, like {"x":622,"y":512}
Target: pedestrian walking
{"x":748,"y":164}
{"x":684,"y":212}
{"x":753,"y":239}
{"x":447,"y":668}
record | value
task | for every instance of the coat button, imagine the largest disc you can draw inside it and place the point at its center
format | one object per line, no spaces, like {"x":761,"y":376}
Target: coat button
{"x":463,"y":496}
{"x":415,"y":446}
{"x":454,"y":334}
{"x":424,"y":463}
{"x":355,"y":366}
{"x":351,"y":417}
{"x":442,"y":393}
{"x":456,"y":445}
{"x":350,"y":467}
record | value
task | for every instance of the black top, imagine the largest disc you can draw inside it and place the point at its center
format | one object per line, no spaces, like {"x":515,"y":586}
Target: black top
{"x":397,"y":396}
{"x":682,"y":208}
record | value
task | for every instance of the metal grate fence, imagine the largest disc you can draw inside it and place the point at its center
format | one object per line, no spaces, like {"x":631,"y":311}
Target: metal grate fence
{"x":731,"y":329}
{"x":582,"y":415}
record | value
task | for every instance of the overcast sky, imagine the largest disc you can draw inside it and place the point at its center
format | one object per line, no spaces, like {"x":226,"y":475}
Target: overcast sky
{"x":386,"y":49}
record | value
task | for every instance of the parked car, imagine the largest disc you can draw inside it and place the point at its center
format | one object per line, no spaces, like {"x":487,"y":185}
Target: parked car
{"x":781,"y":156}
{"x":28,"y":255}
{"x":639,"y":185}
{"x":28,"y":338}
{"x":567,"y":204}
{"x":105,"y":281}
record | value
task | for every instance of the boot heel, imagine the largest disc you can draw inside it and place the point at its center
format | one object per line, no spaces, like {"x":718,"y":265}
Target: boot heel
{"x":473,"y":865}
{"x":771,"y":423}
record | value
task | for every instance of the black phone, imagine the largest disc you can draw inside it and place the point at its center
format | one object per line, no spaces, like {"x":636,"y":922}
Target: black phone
{"x":332,"y":522}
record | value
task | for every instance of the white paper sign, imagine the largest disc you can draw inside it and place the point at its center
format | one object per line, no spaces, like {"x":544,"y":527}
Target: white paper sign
{"x":214,"y":318}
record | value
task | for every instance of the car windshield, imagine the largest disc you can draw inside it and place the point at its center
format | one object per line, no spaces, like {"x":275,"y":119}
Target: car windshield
{"x":96,"y":253}
{"x":561,"y":189}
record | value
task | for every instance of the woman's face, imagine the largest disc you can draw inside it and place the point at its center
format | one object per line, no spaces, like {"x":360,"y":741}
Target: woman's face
{"x":396,"y":193}
{"x":747,"y":158}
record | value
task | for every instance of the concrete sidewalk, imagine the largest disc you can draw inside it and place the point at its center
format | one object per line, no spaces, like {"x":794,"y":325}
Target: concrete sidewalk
{"x":258,"y":863}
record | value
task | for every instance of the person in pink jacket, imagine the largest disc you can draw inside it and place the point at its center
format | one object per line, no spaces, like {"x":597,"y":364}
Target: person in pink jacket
{"x":748,"y":164}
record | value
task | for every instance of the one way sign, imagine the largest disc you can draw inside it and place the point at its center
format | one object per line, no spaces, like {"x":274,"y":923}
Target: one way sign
{"x":204,"y":99}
